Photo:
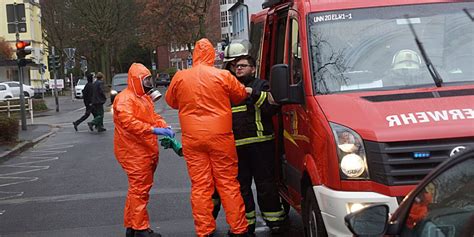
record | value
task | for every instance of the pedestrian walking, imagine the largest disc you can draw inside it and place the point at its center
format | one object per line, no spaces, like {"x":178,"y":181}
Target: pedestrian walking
{"x":98,"y":101}
{"x":254,"y":138}
{"x":203,"y":96}
{"x":136,"y":146}
{"x":87,"y":98}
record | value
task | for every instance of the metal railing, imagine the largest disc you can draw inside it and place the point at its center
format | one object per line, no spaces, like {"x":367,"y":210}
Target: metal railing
{"x":13,"y":105}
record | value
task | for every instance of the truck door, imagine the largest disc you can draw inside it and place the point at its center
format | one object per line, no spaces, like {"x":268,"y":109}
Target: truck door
{"x":295,"y":127}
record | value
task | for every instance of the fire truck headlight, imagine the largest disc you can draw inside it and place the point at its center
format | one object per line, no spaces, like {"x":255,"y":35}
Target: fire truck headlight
{"x":352,"y":165}
{"x":351,"y":153}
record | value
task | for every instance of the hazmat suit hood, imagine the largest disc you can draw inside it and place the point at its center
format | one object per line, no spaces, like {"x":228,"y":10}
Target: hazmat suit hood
{"x":203,"y":53}
{"x":136,"y":74}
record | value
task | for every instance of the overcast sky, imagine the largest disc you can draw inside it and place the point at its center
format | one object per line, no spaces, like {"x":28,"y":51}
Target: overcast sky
{"x":254,"y":5}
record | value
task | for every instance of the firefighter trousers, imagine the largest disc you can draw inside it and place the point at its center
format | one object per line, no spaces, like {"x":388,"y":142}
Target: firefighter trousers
{"x":256,"y":161}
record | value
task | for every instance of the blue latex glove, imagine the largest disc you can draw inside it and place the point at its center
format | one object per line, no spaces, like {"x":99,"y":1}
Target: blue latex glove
{"x":163,"y":131}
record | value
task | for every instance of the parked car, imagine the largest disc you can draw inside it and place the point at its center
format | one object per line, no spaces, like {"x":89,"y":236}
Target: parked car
{"x":15,"y":87}
{"x":162,"y":79}
{"x":441,"y":205}
{"x":79,"y":87}
{"x":119,"y":83}
{"x":5,"y":92}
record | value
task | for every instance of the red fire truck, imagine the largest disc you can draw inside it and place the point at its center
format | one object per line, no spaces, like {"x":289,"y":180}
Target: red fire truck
{"x":373,"y":94}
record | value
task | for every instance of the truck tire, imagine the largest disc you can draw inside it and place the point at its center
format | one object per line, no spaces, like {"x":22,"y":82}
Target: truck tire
{"x":312,"y":220}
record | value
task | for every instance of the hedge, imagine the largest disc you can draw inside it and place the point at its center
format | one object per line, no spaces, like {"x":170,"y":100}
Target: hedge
{"x":8,"y":128}
{"x":39,"y":105}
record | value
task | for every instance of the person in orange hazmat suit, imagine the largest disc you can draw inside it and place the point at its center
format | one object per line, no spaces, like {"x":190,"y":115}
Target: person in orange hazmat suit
{"x":203,"y":96}
{"x":136,"y":146}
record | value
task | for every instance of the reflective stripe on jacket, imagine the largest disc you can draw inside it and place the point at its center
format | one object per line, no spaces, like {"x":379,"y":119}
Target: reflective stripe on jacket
{"x":252,"y":119}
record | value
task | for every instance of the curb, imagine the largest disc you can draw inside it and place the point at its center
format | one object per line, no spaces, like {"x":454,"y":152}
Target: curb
{"x":23,"y":146}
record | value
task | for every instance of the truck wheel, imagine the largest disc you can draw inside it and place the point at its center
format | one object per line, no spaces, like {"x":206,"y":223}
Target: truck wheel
{"x":312,"y":219}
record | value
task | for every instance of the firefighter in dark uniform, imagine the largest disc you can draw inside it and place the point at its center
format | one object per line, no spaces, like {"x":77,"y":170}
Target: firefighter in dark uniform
{"x":253,"y":131}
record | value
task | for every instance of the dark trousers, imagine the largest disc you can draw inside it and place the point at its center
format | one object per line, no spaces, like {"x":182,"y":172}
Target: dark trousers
{"x":256,"y":162}
{"x":98,"y":112}
{"x":85,"y":116}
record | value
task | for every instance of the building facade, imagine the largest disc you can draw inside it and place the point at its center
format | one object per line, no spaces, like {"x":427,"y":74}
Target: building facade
{"x":240,"y":21}
{"x":226,"y":18}
{"x":29,"y":18}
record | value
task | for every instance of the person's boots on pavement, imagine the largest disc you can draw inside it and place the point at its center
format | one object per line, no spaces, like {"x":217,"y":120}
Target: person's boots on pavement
{"x":130,"y":232}
{"x":101,"y":129}
{"x":91,"y":126}
{"x":146,"y":233}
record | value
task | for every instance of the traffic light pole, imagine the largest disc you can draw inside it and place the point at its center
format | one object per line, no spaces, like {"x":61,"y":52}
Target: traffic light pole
{"x":55,"y":81}
{"x":20,"y":75}
{"x":22,"y":99}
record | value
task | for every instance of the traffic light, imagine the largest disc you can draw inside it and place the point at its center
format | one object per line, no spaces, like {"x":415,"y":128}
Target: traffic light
{"x":23,"y":48}
{"x":54,"y":62}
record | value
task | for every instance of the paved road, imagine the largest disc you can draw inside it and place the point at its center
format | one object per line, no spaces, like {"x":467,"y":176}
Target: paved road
{"x":71,"y":185}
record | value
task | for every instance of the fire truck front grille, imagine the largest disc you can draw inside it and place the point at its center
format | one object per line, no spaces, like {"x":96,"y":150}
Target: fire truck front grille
{"x":407,"y":163}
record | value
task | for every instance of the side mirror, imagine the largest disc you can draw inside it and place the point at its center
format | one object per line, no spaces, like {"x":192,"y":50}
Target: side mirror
{"x":369,"y":221}
{"x":282,"y":91}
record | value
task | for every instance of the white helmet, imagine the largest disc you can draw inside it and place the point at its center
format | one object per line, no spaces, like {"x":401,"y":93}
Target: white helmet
{"x":234,"y":50}
{"x":406,"y":59}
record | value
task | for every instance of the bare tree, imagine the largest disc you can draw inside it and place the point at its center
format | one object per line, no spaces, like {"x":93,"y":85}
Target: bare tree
{"x":181,"y":21}
{"x":104,"y":25}
{"x":99,"y":30}
{"x":6,"y":51}
{"x":55,"y":25}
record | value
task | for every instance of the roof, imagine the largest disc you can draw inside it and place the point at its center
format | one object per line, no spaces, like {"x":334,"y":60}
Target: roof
{"x":236,"y":5}
{"x":330,"y":5}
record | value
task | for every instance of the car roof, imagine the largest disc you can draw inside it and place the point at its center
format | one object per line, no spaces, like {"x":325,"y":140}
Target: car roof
{"x":120,"y":75}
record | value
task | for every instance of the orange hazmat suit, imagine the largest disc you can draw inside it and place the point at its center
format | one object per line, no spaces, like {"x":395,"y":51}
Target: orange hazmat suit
{"x":135,"y":146}
{"x":203,"y":96}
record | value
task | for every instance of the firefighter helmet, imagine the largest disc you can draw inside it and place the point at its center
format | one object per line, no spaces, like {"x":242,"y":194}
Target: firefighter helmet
{"x":406,"y":59}
{"x":234,"y":50}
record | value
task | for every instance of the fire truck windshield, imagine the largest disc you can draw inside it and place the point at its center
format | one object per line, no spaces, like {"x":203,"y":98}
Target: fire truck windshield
{"x":374,"y":48}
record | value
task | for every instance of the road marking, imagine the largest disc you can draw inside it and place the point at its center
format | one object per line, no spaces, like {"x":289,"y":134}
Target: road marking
{"x":79,"y":109}
{"x":89,"y":196}
{"x":14,"y":180}
{"x":35,"y":168}
{"x":38,"y":154}
{"x":8,"y":195}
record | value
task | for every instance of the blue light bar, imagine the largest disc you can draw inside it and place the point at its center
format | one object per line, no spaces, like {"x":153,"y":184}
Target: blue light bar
{"x":421,"y":154}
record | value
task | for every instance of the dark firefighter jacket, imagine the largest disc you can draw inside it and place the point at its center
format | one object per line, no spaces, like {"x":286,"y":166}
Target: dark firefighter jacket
{"x":252,"y":119}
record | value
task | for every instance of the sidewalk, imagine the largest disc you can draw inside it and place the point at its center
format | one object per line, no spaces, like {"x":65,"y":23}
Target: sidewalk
{"x":43,"y":126}
{"x":33,"y":134}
